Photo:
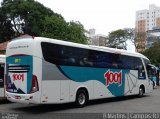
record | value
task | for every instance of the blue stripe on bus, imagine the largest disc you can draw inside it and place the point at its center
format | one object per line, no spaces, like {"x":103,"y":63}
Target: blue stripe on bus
{"x":83,"y":74}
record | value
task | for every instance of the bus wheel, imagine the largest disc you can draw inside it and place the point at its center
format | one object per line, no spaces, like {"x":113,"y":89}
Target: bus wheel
{"x":141,"y":92}
{"x":81,"y":98}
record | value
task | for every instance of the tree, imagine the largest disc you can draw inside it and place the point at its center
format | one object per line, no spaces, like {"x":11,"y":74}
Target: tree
{"x":31,"y":17}
{"x":153,"y":53}
{"x":75,"y":32}
{"x":25,"y":16}
{"x":140,"y":41}
{"x":117,"y":39}
{"x":54,"y":28}
{"x":5,"y":27}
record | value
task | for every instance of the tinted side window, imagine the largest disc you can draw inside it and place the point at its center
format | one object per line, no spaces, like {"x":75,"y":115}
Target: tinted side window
{"x":127,"y":62}
{"x":66,"y":55}
{"x":73,"y":56}
{"x":100,"y":59}
{"x":63,"y":55}
{"x":139,"y":66}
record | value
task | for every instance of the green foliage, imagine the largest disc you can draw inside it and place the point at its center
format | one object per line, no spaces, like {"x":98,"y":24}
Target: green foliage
{"x":76,"y":31}
{"x":54,"y":27}
{"x":118,"y":38}
{"x":153,"y":53}
{"x":30,"y":17}
{"x":5,"y":27}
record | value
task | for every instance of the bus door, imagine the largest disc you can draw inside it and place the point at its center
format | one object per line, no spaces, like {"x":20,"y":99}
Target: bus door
{"x":151,"y":73}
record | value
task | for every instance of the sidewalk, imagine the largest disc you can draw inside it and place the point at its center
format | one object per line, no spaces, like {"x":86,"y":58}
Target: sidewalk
{"x":156,"y":87}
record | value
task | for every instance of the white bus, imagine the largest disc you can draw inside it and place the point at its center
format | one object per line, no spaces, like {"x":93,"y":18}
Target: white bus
{"x":42,"y":71}
{"x":2,"y":65}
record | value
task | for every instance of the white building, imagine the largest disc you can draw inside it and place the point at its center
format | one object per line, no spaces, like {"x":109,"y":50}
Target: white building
{"x":96,"y":39}
{"x":148,"y":19}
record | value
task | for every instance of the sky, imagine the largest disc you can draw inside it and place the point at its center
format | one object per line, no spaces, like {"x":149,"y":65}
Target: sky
{"x":103,"y":15}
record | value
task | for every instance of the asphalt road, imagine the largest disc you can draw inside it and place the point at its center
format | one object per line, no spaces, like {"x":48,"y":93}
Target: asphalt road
{"x":95,"y":109}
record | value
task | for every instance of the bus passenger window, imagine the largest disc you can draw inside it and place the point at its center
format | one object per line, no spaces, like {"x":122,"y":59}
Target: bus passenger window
{"x":86,"y":62}
{"x":114,"y":65}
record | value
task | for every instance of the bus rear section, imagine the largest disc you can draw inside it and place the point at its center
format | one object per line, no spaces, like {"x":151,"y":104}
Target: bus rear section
{"x":2,"y":64}
{"x":21,"y":83}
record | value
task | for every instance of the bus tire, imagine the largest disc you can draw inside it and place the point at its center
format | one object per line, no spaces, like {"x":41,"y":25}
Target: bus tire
{"x":141,"y":91}
{"x":81,"y":98}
